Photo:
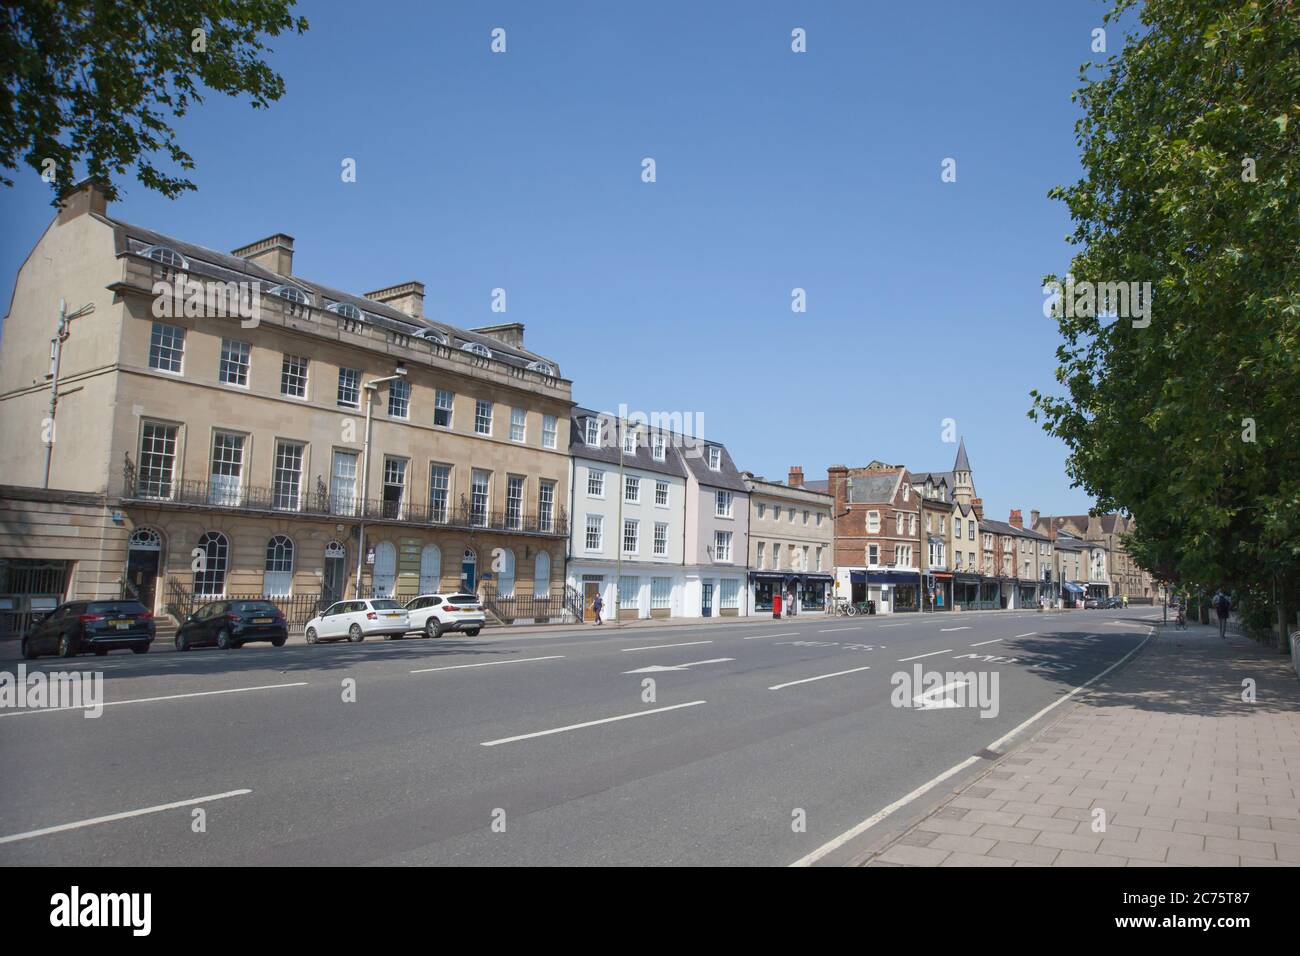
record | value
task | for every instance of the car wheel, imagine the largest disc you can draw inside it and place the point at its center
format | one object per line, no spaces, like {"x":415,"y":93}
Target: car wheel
{"x":472,"y":632}
{"x":279,"y":641}
{"x":311,"y":635}
{"x":433,"y":628}
{"x":66,"y":647}
{"x":355,"y":635}
{"x":29,"y":652}
{"x":225,"y":641}
{"x":182,"y":642}
{"x":140,"y":648}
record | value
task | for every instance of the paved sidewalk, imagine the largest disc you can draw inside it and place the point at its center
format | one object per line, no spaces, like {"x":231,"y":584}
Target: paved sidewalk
{"x":1187,"y":773}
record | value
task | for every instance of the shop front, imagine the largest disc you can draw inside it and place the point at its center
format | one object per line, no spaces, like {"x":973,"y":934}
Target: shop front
{"x":1072,"y":593}
{"x":938,"y":591}
{"x":1028,"y":594}
{"x":809,"y":591}
{"x":966,"y":592}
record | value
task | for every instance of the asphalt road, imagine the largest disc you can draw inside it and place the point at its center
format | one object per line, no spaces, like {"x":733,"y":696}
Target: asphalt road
{"x":546,"y":749}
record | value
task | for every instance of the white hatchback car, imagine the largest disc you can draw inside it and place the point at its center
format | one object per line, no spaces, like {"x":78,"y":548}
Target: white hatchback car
{"x":357,"y":620}
{"x":436,"y":614}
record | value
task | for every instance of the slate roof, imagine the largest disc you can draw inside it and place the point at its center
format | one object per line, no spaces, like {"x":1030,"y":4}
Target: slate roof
{"x":962,"y":463}
{"x":607,"y":451}
{"x":873,"y":488}
{"x":225,"y":267}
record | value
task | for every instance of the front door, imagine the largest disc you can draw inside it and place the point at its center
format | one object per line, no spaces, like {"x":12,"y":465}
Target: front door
{"x":335,"y":578}
{"x":142,"y":573}
{"x":706,"y":600}
{"x":589,"y":591}
{"x":469,"y":572}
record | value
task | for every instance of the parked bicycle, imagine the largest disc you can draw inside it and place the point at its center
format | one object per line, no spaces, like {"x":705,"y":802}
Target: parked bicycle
{"x":844,"y":608}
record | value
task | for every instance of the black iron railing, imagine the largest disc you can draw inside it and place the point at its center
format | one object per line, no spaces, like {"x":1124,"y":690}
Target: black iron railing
{"x":298,"y":609}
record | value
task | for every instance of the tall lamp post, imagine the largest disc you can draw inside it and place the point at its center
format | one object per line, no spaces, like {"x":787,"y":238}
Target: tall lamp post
{"x":370,"y":388}
{"x":61,"y":333}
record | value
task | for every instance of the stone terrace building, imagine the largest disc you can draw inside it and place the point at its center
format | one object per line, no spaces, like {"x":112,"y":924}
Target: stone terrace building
{"x":199,"y":456}
{"x":791,"y":543}
{"x":1125,"y":578}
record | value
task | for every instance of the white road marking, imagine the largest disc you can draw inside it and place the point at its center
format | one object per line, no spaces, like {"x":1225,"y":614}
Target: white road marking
{"x":656,"y":668}
{"x":590,"y":723}
{"x":919,"y":656}
{"x":982,"y":643}
{"x":936,"y":698}
{"x":832,"y":630}
{"x":808,"y":680}
{"x":881,"y":814}
{"x":456,"y":667}
{"x":149,"y":700}
{"x":1030,"y":634}
{"x":660,"y":647}
{"x":902,"y":624}
{"x":759,"y":637}
{"x":964,"y":627}
{"x":121,"y":816}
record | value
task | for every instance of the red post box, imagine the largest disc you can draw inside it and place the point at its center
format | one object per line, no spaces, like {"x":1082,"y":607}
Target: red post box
{"x":776,"y":605}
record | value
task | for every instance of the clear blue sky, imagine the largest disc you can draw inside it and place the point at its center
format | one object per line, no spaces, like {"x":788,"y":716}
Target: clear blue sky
{"x":775,"y":171}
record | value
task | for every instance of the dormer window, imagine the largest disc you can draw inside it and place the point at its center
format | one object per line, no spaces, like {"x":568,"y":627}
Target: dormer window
{"x":429,"y":335}
{"x":290,"y":293}
{"x":168,"y":257}
{"x":544,"y":367}
{"x":474,"y":348}
{"x":658,"y":447}
{"x":592,"y":435}
{"x":629,"y":441}
{"x":347,"y":310}
{"x":714,"y":457}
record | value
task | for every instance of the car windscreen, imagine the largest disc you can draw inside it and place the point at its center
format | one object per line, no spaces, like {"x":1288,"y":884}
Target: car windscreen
{"x":255,"y":607}
{"x":463,"y":599}
{"x":385,"y":605}
{"x":115,"y":607}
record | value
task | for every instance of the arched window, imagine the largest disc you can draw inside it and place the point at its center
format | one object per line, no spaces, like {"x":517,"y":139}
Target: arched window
{"x":429,"y":335}
{"x":430,"y":569}
{"x":145,"y":539}
{"x":542,"y":575}
{"x":278,"y":579}
{"x":168,"y":257}
{"x":544,"y":367}
{"x":506,"y":576}
{"x":210,"y":576}
{"x":290,"y":292}
{"x":347,"y":310}
{"x":477,"y":349}
{"x":385,"y":576}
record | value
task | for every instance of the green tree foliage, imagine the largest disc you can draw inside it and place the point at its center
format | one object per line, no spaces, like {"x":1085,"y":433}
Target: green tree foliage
{"x":94,"y":85}
{"x":1203,"y":93}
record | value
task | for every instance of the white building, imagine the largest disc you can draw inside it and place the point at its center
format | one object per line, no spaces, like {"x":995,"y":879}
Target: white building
{"x":717,"y":532}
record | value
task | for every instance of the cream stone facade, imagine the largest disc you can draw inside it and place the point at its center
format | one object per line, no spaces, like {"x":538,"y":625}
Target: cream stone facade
{"x":237,"y":445}
{"x":791,"y":545}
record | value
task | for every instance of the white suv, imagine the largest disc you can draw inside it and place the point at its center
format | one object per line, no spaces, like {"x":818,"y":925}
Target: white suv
{"x":357,"y":620}
{"x":435,"y":614}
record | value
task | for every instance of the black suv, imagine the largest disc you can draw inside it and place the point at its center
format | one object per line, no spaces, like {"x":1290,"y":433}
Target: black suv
{"x":231,"y":624}
{"x":99,"y":626}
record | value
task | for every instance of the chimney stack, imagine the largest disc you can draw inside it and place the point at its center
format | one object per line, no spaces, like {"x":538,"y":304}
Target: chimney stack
{"x":1033,"y":520}
{"x":511,"y":333}
{"x":977,"y":506}
{"x":405,"y":297}
{"x":274,"y":253}
{"x":795,"y":479}
{"x":86,"y":196}
{"x":1016,"y":521}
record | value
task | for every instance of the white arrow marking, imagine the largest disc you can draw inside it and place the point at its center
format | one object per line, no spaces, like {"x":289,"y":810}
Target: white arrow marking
{"x":937,"y":697}
{"x":677,"y":667}
{"x":964,"y":627}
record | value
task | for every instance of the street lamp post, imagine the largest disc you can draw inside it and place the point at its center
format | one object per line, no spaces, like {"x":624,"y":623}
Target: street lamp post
{"x":56,"y":360}
{"x":370,"y":388}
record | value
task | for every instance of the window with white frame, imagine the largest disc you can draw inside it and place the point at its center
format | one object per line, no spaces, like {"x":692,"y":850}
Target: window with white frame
{"x":595,"y":483}
{"x":898,"y":521}
{"x":873,"y":554}
{"x":343,"y":483}
{"x":629,"y":441}
{"x":762,"y":509}
{"x":277,"y":579}
{"x":233,"y":369}
{"x":518,"y":423}
{"x":631,"y":536}
{"x":661,"y":592}
{"x":715,"y":457}
{"x":956,"y":527}
{"x":286,"y":492}
{"x":592,"y":429}
{"x":722,"y":546}
{"x":595,"y":532}
{"x":479,"y":497}
{"x":227,"y":468}
{"x":760,"y":553}
{"x":776,"y":556}
{"x":873,"y":522}
{"x":545,"y":505}
{"x":394,"y":487}
{"x":482,"y":417}
{"x":443,"y":402}
{"x":729,"y":593}
{"x":632,"y":489}
{"x":629,"y":592}
{"x":819,"y":558}
{"x":971,"y":529}
{"x":349,"y":393}
{"x":722,"y":504}
{"x":210,"y":579}
{"x":157,"y":460}
{"x":399,"y":398}
{"x":439,"y":491}
{"x":659,"y":447}
{"x":805,"y":516}
{"x":804,"y":566}
{"x":166,"y":348}
{"x":549,"y":433}
{"x":661,"y":539}
{"x":293,"y":376}
{"x":661,"y":494}
{"x":514,"y":501}
{"x":911,"y":524}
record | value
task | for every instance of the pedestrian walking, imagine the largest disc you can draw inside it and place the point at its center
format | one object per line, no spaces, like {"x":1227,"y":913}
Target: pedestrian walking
{"x":1222,"y":605}
{"x":596,"y":606}
{"x":1124,"y":599}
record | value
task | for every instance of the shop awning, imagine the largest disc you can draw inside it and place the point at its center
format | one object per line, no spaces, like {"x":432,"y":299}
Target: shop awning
{"x":1071,"y":587}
